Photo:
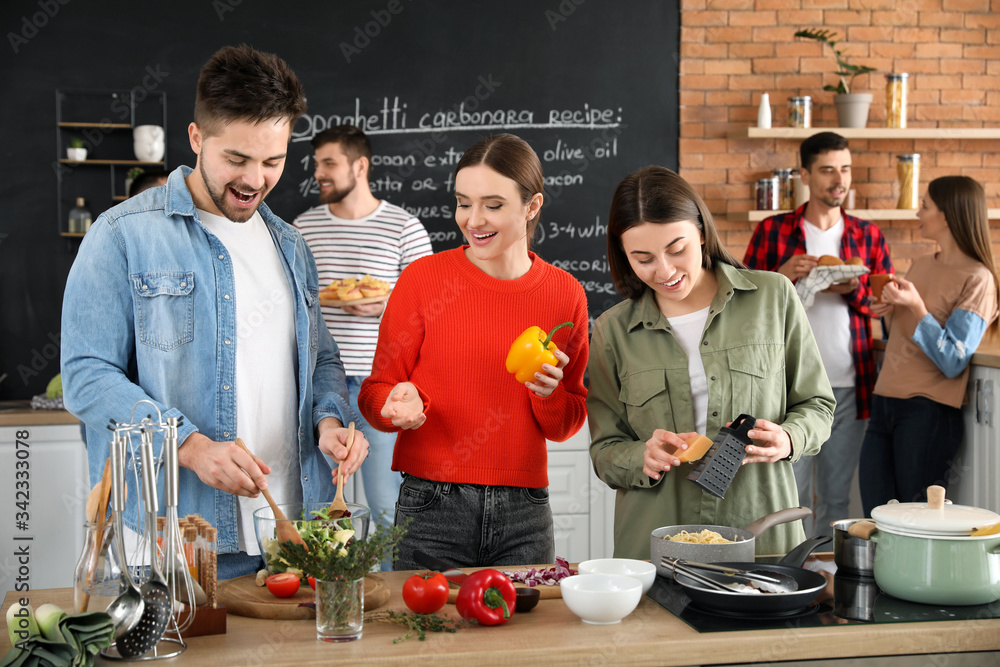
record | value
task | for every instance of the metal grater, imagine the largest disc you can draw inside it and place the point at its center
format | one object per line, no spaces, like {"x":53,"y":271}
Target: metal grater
{"x":715,"y":471}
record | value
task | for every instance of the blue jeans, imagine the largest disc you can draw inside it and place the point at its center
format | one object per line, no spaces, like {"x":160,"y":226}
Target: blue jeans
{"x":471,"y":525}
{"x":829,"y":473}
{"x":381,"y":482}
{"x":230,"y":566}
{"x":909,"y":446}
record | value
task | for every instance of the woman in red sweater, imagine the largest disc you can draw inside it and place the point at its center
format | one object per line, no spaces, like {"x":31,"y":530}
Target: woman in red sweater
{"x":471,"y":442}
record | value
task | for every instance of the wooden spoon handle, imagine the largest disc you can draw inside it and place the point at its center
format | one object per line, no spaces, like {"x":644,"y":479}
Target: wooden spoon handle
{"x":350,"y":443}
{"x":278,"y":514}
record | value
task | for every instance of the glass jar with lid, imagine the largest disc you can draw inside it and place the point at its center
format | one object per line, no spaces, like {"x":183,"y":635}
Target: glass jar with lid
{"x":908,"y":177}
{"x":786,"y":195}
{"x":767,"y":194}
{"x":800,"y":111}
{"x":895,"y":99}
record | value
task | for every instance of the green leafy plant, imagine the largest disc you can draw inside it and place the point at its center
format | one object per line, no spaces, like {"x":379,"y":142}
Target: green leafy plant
{"x":134,"y":172}
{"x":77,"y":142}
{"x":330,"y":554}
{"x":847,"y":72}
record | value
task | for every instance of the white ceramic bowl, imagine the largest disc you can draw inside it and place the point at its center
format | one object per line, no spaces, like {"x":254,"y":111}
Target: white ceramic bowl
{"x":601,"y":599}
{"x":642,"y":570}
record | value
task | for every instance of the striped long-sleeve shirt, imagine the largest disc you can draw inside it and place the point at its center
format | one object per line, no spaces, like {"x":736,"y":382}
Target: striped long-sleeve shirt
{"x":381,"y":245}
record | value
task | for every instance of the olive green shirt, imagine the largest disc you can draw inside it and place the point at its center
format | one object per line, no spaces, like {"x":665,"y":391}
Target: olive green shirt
{"x":760,"y":359}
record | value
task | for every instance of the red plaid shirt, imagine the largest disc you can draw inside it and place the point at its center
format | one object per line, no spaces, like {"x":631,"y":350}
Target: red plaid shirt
{"x":779,"y":237}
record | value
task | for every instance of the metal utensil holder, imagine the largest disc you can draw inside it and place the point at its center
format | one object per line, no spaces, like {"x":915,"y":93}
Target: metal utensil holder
{"x":131,"y":464}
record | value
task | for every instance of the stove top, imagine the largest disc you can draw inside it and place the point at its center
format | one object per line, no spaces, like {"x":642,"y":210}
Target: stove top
{"x":854,"y":601}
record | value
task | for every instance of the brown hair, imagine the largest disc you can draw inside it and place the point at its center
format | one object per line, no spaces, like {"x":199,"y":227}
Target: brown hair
{"x":512,"y":157}
{"x":352,"y":141}
{"x":239,"y":83}
{"x":817,"y":144}
{"x":962,"y":200}
{"x":659,"y":196}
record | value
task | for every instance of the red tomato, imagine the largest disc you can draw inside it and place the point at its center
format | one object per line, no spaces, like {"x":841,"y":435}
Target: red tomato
{"x":312,"y":583}
{"x":283,"y":585}
{"x":425,"y":593}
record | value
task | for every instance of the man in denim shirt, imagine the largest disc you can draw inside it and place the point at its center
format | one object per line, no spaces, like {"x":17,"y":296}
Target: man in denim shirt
{"x":196,"y":297}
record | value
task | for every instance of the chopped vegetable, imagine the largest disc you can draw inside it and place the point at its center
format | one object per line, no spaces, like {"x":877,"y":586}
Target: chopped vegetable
{"x":262,"y":576}
{"x":77,"y":638}
{"x":548,"y":577}
{"x":487,"y":597}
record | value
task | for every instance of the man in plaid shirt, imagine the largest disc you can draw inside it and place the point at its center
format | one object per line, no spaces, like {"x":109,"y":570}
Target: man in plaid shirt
{"x":791,"y":244}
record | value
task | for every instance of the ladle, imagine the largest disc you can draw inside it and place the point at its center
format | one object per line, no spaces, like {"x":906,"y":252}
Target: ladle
{"x":126,"y":609}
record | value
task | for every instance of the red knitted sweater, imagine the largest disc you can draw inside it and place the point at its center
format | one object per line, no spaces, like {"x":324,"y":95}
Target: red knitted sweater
{"x":447,"y":329}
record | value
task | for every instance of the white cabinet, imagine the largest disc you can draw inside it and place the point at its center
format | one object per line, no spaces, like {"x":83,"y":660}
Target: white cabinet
{"x":56,"y":492}
{"x":976,"y":470}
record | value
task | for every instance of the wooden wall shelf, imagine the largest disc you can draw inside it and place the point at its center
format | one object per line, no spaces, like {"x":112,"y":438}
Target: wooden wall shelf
{"x":863,"y":213}
{"x":867,"y":132}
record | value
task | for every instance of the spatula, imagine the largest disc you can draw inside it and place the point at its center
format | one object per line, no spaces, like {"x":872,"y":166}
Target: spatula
{"x":284,"y":530}
{"x":97,"y":508}
{"x":338,"y":508}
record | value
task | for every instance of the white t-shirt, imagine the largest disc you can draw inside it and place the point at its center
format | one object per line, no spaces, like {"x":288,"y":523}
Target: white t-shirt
{"x":828,"y":315}
{"x":266,"y":362}
{"x":688,"y":330}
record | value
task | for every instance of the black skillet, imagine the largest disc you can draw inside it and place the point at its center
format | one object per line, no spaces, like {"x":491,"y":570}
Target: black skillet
{"x":731,"y":602}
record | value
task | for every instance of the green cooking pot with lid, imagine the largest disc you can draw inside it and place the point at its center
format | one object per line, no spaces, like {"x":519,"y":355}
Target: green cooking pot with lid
{"x":926,"y":552}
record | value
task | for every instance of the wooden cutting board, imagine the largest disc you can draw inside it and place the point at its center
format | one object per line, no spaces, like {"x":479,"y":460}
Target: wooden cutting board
{"x":243,"y":597}
{"x":546,"y":592}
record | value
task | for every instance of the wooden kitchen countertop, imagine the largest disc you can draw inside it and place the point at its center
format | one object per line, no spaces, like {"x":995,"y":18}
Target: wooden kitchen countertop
{"x":551,"y":635}
{"x":20,"y":413}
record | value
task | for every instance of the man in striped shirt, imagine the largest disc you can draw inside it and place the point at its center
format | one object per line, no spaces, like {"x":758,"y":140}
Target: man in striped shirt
{"x":351,"y":233}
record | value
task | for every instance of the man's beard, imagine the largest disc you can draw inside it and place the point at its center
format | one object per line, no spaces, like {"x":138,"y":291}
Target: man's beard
{"x":335,"y":196}
{"x":222,"y":203}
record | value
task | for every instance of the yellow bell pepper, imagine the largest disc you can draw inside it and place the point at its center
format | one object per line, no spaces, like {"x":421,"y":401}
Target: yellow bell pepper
{"x":530,"y":350}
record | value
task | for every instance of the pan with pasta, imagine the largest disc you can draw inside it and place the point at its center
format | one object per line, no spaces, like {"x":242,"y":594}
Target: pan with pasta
{"x":714,"y":544}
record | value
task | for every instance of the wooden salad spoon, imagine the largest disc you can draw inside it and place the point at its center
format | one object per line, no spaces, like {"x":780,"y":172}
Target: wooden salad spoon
{"x":338,"y":508}
{"x":284,"y":530}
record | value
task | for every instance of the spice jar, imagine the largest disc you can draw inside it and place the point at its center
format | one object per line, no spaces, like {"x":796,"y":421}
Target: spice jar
{"x":800,"y":111}
{"x":786,"y":195}
{"x":895,"y":99}
{"x":908,"y":176}
{"x":767,"y":194}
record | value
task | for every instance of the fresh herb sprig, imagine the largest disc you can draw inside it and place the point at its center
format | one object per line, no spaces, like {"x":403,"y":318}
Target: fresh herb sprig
{"x":335,"y":555}
{"x":416,"y":624}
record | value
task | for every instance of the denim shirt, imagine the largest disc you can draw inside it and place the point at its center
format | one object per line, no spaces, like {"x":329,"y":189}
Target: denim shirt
{"x":760,"y":359}
{"x":149,"y":312}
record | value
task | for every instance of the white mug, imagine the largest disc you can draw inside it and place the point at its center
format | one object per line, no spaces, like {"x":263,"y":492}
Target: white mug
{"x":148,"y":143}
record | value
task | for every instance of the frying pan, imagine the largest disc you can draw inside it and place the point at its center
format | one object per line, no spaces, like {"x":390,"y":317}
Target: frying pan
{"x":741,"y":546}
{"x":730,"y":602}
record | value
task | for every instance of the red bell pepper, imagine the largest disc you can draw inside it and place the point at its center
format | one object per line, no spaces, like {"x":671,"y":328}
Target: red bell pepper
{"x":487,"y":596}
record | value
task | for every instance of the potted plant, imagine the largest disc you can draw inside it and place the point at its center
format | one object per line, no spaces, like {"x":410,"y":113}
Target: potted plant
{"x":77,"y":149}
{"x":132,"y":174}
{"x":852,"y":108}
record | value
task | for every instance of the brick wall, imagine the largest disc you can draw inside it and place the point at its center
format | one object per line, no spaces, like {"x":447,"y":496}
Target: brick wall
{"x":734,"y":50}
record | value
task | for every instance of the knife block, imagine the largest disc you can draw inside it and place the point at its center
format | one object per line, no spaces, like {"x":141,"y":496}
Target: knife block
{"x":207,"y":621}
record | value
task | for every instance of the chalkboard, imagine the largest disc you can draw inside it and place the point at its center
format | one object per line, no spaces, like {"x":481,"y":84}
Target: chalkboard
{"x":590,"y":84}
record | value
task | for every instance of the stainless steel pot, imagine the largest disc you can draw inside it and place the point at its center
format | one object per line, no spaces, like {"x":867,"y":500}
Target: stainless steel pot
{"x":742,"y":548}
{"x":854,"y":556}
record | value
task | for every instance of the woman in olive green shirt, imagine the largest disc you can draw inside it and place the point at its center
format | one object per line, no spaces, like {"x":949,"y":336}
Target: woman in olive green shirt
{"x":698,"y":341}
